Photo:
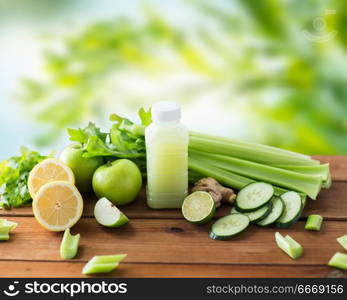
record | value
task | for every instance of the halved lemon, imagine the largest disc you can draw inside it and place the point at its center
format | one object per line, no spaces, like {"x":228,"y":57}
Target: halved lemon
{"x":58,"y":205}
{"x":48,"y":170}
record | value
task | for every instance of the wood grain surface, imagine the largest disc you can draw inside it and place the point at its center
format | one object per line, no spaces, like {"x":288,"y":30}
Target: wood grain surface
{"x":160,"y":243}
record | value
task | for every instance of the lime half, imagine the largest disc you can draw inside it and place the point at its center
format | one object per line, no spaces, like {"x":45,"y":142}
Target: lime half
{"x":198,"y":207}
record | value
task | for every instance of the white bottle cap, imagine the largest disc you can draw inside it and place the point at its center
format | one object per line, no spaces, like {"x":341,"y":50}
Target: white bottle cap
{"x":166,"y":111}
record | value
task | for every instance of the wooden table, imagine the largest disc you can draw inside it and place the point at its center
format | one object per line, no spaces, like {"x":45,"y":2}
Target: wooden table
{"x":160,"y":243}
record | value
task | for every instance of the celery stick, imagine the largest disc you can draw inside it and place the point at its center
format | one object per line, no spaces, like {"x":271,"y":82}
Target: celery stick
{"x":102,"y":259}
{"x":339,"y":260}
{"x":327,"y":183}
{"x":248,"y":152}
{"x":226,"y":178}
{"x":69,"y":245}
{"x":314,"y":222}
{"x":320,"y":170}
{"x":103,"y":264}
{"x":248,"y":144}
{"x":5,"y":228}
{"x":343,"y":241}
{"x":308,"y":184}
{"x":8,"y":224}
{"x":95,"y":268}
{"x":4,"y":235}
{"x":194,"y":176}
{"x":289,"y":245}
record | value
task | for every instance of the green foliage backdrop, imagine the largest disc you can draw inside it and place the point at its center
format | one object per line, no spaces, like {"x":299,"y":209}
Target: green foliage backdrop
{"x":265,"y":55}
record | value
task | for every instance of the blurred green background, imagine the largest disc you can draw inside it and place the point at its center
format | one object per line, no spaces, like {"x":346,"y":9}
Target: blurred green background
{"x":271,"y":71}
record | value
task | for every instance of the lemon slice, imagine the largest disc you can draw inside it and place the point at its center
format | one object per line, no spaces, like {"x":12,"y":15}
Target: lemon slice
{"x":48,"y":170}
{"x":58,"y":205}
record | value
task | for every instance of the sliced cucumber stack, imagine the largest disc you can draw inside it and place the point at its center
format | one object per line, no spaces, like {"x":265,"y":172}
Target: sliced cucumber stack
{"x":275,"y":214}
{"x":254,"y":196}
{"x":228,"y":226}
{"x":292,"y":209}
{"x":256,"y":215}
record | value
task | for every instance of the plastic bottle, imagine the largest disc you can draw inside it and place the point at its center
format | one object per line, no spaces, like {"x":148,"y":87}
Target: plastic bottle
{"x":167,"y":157}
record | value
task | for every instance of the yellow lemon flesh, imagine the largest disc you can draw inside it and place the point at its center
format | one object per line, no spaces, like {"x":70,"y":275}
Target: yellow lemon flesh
{"x":58,"y":205}
{"x":48,"y":170}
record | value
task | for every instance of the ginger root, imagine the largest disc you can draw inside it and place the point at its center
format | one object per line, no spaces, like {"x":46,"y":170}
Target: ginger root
{"x":218,"y":192}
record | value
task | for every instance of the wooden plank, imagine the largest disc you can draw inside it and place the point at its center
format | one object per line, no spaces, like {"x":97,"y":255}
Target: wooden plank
{"x":173,"y":241}
{"x":331,"y":204}
{"x":128,"y":270}
{"x":338,"y":165}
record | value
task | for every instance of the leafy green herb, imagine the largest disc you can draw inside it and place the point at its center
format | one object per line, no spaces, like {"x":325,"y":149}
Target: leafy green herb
{"x":14,"y":174}
{"x":124,"y":140}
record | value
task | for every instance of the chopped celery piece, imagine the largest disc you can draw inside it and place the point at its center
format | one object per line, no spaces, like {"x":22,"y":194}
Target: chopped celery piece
{"x":343,"y":241}
{"x":103,"y":264}
{"x":314,"y":222}
{"x":339,"y":260}
{"x":96,"y":268}
{"x":308,"y":184}
{"x":4,"y":235}
{"x":8,"y":224}
{"x":5,"y":228}
{"x":69,"y":245}
{"x":250,"y":152}
{"x":288,"y":245}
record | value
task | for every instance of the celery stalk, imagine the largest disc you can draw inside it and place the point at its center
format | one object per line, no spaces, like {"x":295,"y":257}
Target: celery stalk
{"x":103,"y":264}
{"x":314,"y":222}
{"x":8,"y":224}
{"x":5,"y":228}
{"x":342,"y":240}
{"x":339,"y":260}
{"x":4,"y":235}
{"x":289,"y":245}
{"x":250,"y":152}
{"x":226,"y":178}
{"x":248,"y":144}
{"x":320,"y":170}
{"x":308,"y":184}
{"x":69,"y":245}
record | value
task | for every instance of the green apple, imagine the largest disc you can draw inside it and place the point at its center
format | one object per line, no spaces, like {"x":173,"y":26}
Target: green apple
{"x":107,"y":214}
{"x":119,"y":181}
{"x":82,"y":167}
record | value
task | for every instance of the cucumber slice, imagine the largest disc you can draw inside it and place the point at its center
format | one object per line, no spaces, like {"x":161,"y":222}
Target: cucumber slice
{"x":228,"y":226}
{"x":339,"y":260}
{"x":289,"y":245}
{"x":256,"y":215}
{"x":292,"y":209}
{"x":314,"y":222}
{"x":254,"y":196}
{"x":276,"y":212}
{"x":342,"y":240}
{"x":199,"y":207}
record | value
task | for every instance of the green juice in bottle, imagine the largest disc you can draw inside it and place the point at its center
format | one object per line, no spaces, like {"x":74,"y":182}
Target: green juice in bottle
{"x":167,"y":157}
